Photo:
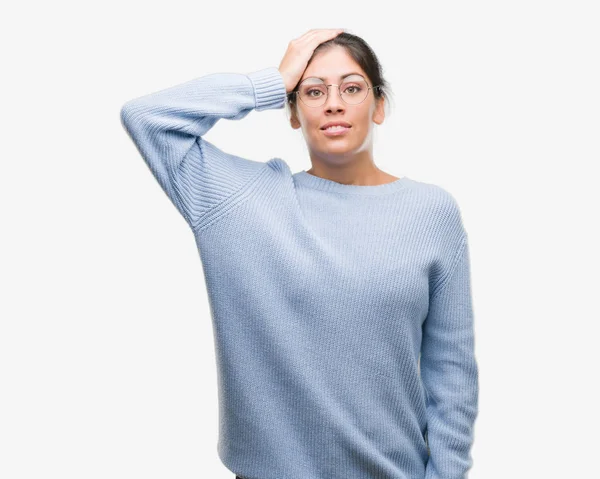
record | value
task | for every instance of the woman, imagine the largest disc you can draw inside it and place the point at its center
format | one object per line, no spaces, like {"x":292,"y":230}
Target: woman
{"x":340,"y":296}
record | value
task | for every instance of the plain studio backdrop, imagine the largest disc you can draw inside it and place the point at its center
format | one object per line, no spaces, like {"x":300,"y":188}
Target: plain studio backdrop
{"x":107,"y":361}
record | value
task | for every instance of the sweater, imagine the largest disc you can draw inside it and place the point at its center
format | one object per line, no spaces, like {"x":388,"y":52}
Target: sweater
{"x":342,"y":314}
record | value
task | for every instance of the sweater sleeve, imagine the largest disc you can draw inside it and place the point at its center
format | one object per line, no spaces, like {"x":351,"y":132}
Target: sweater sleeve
{"x":449,"y":371}
{"x":167,"y":128}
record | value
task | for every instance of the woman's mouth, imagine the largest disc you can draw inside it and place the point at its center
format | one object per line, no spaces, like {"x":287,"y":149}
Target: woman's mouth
{"x":336,"y":130}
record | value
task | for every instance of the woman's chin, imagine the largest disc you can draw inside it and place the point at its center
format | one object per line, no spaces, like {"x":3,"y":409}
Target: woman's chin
{"x":338,"y":147}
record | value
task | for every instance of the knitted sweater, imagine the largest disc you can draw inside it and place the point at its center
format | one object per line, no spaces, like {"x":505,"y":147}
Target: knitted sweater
{"x":342,"y":314}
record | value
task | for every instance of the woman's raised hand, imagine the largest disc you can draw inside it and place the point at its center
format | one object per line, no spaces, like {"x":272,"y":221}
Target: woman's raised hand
{"x":298,"y":53}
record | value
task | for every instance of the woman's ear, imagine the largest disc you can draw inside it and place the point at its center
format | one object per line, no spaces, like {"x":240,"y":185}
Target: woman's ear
{"x":294,"y":122}
{"x":379,"y":113}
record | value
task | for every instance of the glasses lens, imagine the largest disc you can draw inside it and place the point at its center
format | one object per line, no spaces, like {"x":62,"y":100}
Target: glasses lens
{"x":354,"y":90}
{"x":313,"y":92}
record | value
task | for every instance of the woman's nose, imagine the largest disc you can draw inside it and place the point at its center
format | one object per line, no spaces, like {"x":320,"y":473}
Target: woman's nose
{"x":334,"y":99}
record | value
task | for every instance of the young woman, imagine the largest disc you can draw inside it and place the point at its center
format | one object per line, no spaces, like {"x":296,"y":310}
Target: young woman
{"x":340,"y":295}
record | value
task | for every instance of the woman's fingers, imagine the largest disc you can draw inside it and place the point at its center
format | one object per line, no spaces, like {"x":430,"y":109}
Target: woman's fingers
{"x":298,"y":54}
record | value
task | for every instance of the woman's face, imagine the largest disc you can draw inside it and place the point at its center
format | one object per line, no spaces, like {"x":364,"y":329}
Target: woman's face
{"x":332,"y":65}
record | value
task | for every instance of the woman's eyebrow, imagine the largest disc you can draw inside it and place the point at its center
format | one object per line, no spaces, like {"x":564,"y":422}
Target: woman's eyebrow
{"x":341,"y":76}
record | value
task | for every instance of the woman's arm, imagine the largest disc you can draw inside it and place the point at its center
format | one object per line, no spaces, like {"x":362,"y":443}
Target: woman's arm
{"x":449,"y":368}
{"x":167,"y":128}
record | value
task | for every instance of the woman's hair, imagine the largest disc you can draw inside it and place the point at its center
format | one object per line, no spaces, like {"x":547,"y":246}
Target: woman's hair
{"x":362,"y":54}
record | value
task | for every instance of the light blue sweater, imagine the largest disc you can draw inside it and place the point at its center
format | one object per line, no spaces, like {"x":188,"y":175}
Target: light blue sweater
{"x":342,"y":314}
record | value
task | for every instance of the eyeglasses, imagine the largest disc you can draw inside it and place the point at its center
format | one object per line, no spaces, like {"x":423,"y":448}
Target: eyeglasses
{"x":313,"y":92}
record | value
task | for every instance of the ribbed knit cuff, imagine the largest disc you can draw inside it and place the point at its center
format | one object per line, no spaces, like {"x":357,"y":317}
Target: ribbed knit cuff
{"x":269,"y":88}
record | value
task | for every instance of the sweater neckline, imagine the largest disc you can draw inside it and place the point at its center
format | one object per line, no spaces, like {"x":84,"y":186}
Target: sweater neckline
{"x":312,"y":181}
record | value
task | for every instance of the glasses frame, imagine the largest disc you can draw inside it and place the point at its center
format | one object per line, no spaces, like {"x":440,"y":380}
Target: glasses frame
{"x":297,"y":91}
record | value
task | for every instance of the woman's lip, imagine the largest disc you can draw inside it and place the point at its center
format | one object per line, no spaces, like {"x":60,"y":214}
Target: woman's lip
{"x":336,"y":132}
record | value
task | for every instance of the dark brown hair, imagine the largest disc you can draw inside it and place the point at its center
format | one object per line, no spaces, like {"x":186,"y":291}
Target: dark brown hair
{"x":361,"y":53}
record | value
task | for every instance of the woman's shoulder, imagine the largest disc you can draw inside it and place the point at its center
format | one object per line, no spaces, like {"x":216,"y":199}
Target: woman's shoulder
{"x":434,"y":195}
{"x":439,"y":205}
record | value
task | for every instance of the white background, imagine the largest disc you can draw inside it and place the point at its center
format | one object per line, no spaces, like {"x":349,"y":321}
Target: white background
{"x":107,"y":366}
